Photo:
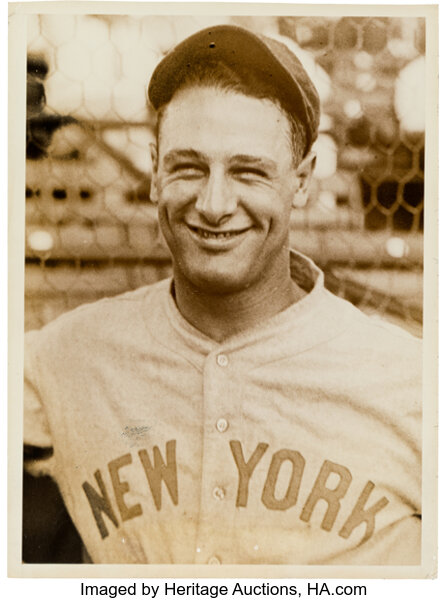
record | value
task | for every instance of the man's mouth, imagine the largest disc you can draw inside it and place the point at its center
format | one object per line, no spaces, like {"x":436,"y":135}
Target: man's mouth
{"x":207,"y":234}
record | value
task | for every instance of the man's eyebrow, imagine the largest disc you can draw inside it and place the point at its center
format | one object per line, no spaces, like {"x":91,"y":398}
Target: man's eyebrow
{"x":261,"y":162}
{"x":182,"y":153}
{"x":255,"y":161}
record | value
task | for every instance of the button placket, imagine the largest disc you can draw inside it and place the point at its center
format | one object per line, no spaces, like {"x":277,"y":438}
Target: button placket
{"x":217,"y":502}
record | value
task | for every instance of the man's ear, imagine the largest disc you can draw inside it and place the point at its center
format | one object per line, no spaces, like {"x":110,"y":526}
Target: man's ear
{"x":153,"y":192}
{"x":304,"y":174}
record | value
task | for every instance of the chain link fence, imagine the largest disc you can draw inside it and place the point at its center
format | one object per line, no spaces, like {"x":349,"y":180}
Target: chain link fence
{"x":91,"y":230}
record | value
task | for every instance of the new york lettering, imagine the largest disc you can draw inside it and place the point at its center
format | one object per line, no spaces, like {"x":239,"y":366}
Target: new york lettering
{"x":159,"y":470}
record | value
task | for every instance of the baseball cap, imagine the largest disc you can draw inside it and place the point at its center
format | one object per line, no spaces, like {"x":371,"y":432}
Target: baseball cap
{"x":240,"y":49}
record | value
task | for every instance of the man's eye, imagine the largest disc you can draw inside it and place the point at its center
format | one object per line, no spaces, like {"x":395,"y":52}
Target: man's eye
{"x":186,"y":168}
{"x":249,"y":173}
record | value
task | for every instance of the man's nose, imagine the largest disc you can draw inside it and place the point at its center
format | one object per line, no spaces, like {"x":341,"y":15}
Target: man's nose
{"x":216,"y":200}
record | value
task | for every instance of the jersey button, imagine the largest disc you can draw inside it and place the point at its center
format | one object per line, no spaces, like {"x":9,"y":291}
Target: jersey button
{"x":218,"y":493}
{"x":214,"y":560}
{"x":222,"y":360}
{"x":221,"y":425}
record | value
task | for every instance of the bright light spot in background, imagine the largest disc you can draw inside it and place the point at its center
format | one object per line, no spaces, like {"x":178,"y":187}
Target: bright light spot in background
{"x":397,"y":247}
{"x":326,"y":151}
{"x":409,"y":96}
{"x":401,"y":48}
{"x":300,"y":202}
{"x":363,"y":60}
{"x":365,"y":82}
{"x":40,"y":241}
{"x":303,"y":34}
{"x":326,"y":122}
{"x":327,"y":200}
{"x":317,"y":74}
{"x":66,"y":139}
{"x":353,"y":109}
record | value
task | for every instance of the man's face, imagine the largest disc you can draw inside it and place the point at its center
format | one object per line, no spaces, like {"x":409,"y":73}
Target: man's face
{"x":224,"y":182}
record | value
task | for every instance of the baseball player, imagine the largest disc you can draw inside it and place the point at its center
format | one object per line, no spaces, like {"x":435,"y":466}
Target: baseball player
{"x":237,"y":412}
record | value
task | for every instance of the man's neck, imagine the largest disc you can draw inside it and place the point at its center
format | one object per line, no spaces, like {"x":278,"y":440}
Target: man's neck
{"x":220,"y":316}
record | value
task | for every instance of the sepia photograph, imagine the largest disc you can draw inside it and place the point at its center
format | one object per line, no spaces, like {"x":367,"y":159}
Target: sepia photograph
{"x":228,"y":342}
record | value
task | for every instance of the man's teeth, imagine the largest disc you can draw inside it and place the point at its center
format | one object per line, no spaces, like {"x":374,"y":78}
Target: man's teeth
{"x":215,"y":236}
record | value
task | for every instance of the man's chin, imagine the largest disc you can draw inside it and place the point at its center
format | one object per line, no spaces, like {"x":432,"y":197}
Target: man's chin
{"x":218,"y":283}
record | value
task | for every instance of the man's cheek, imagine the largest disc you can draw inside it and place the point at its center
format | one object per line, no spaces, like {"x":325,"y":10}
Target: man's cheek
{"x":176,"y":195}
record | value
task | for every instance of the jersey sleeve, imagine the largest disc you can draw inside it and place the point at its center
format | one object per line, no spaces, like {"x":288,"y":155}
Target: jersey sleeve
{"x":36,"y":432}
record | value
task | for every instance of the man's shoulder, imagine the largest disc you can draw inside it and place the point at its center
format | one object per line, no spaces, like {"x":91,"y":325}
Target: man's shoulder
{"x":111,"y":314}
{"x":374,"y":332}
{"x":336,"y":318}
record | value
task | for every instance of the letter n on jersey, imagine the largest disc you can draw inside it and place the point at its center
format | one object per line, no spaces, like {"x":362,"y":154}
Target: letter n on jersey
{"x":156,"y":471}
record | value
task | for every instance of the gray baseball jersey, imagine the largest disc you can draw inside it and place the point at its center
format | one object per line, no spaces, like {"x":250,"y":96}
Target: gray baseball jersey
{"x":297,"y":441}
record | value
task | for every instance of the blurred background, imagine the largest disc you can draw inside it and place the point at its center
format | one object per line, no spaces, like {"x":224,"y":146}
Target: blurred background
{"x":91,"y":230}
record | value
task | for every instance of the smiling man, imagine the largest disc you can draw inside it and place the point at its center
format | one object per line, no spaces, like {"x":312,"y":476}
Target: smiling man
{"x":275,"y":422}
